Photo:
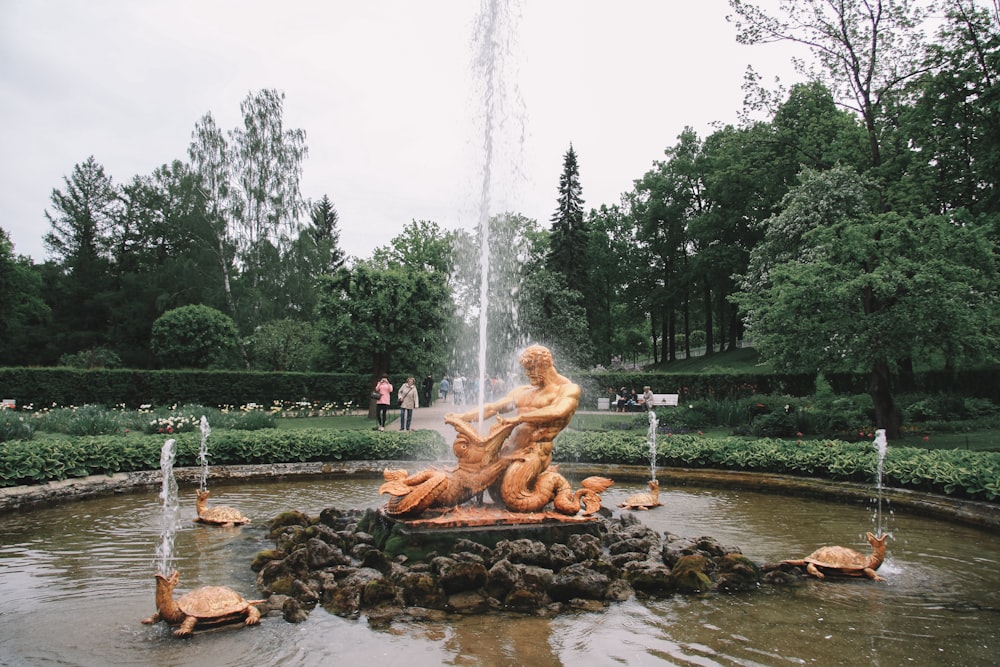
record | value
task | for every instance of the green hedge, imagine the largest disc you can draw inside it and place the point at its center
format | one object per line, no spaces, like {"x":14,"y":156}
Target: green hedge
{"x":957,"y":472}
{"x":39,"y":461}
{"x":695,"y":386}
{"x":44,"y":387}
{"x":961,"y":473}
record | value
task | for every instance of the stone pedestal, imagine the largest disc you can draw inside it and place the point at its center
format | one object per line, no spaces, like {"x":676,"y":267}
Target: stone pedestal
{"x":437,"y":532}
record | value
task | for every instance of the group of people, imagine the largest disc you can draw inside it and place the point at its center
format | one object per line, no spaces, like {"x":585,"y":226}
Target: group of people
{"x":630,"y":401}
{"x":410,"y":397}
{"x":408,"y":402}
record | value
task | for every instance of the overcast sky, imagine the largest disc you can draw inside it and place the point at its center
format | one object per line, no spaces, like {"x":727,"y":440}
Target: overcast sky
{"x":383,"y":89}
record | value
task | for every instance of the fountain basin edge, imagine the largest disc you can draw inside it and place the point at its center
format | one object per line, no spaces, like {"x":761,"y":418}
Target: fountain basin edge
{"x":972,"y":512}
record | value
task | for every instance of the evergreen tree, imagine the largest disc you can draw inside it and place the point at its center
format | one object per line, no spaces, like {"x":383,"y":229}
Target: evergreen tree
{"x":324,"y":235}
{"x":79,"y":240}
{"x":570,"y":235}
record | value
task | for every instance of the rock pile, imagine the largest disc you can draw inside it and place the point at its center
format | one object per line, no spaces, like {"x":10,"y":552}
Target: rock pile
{"x":334,"y":561}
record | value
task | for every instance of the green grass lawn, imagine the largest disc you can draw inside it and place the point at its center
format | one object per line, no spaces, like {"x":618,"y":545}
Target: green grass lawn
{"x":334,"y":423}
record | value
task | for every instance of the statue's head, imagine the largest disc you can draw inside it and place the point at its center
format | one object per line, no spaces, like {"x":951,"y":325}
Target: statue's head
{"x":536,"y":360}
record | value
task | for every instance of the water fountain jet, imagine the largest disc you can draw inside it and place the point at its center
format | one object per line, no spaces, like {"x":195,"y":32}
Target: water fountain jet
{"x":168,"y":518}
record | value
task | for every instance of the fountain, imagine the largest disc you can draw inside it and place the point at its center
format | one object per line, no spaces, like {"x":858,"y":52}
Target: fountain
{"x":654,"y":423}
{"x":203,"y":452}
{"x":881,"y":446}
{"x":91,"y":556}
{"x":168,"y":517}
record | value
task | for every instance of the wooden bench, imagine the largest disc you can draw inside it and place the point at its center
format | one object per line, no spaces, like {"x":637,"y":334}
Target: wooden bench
{"x":665,"y":400}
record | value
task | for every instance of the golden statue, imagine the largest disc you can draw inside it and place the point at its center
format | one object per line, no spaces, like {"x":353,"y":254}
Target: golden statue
{"x":514,"y":460}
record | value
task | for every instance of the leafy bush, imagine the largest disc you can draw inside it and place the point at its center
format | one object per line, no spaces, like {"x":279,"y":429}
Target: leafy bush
{"x":14,"y":427}
{"x":968,"y":474}
{"x":86,"y":420}
{"x":775,"y":425}
{"x":35,"y":462}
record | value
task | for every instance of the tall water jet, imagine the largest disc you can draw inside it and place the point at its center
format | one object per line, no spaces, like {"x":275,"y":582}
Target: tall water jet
{"x":881,"y":446}
{"x":169,"y":518}
{"x":203,"y":452}
{"x":654,"y":422}
{"x":492,"y":39}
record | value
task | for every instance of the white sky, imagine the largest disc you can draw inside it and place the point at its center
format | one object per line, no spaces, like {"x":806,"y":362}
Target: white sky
{"x":383,"y":89}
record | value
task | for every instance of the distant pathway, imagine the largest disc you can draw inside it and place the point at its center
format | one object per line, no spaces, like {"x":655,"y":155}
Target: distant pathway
{"x":433,"y":417}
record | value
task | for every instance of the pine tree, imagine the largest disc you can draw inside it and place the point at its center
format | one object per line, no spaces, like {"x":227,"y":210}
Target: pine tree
{"x":569,"y":233}
{"x":325,"y":234}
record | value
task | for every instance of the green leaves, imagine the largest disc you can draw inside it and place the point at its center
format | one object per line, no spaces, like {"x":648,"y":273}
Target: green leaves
{"x":34,"y":462}
{"x":952,"y":472}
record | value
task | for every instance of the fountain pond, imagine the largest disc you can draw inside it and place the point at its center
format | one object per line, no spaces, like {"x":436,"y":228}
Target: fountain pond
{"x":76,"y":579}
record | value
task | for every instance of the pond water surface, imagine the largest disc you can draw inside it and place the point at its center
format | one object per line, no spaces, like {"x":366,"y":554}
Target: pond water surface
{"x":76,"y":578}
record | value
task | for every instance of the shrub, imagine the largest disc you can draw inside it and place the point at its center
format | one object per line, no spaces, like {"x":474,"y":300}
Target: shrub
{"x":14,"y":427}
{"x":194,"y":337}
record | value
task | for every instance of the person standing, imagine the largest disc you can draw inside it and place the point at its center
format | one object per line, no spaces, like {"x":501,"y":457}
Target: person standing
{"x":647,"y":398}
{"x":407,"y":403}
{"x":427,"y":386}
{"x":458,"y":389}
{"x":444,"y":387}
{"x":384,"y":391}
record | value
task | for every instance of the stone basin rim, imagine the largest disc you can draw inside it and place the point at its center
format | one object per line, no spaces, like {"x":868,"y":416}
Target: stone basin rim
{"x":976,"y":513}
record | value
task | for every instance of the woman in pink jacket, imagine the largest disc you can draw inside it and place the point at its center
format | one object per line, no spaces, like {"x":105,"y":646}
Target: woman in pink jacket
{"x":384,"y":391}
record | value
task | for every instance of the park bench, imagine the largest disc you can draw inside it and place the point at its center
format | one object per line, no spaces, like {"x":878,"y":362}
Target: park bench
{"x":665,"y":400}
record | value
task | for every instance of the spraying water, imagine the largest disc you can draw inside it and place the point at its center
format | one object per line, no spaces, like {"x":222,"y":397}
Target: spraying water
{"x":493,"y":35}
{"x":203,"y":452}
{"x":882,"y":446}
{"x":653,"y":424}
{"x":169,"y":519}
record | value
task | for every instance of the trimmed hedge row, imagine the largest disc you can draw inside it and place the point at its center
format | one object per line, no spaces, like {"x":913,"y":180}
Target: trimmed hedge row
{"x":692,"y":386}
{"x":43,"y":387}
{"x":961,"y":473}
{"x":39,"y":461}
{"x":956,"y":472}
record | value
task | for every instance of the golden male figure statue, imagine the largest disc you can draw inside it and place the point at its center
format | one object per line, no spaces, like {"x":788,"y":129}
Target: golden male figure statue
{"x":543,"y":408}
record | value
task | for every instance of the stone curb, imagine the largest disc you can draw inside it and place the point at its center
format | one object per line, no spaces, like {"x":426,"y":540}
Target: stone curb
{"x":980,"y":514}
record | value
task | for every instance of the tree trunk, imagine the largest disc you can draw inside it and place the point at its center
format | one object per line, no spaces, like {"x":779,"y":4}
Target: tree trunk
{"x":672,"y":331}
{"x":709,"y":337}
{"x":887,"y":413}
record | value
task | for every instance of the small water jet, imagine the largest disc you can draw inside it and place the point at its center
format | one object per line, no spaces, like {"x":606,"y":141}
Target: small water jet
{"x":219,"y":515}
{"x":168,"y":519}
{"x":654,"y":423}
{"x":882,"y":446}
{"x":203,"y":452}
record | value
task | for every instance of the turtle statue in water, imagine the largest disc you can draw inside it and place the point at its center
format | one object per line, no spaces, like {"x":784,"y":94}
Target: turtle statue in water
{"x":644,"y":501}
{"x":202,"y":607}
{"x":217,"y":516}
{"x":843,"y":562}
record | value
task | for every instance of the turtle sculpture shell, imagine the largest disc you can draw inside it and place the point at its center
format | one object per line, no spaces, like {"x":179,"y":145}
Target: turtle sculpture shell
{"x":838,"y":558}
{"x":218,"y":516}
{"x":644,"y":501}
{"x":842,"y":561}
{"x":213,"y":602}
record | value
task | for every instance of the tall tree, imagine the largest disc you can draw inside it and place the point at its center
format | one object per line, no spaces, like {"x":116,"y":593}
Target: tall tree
{"x":323,"y":235}
{"x":24,"y":311}
{"x":79,"y":238}
{"x":875,"y":289}
{"x":251,"y":182}
{"x":864,"y":50}
{"x":569,"y":236}
{"x":382,"y":320}
{"x":953,"y":124}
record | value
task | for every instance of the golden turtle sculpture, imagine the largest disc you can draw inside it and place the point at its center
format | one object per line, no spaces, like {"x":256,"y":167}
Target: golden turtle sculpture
{"x":644,"y":501}
{"x":217,"y":516}
{"x":843,"y":562}
{"x":203,"y":607}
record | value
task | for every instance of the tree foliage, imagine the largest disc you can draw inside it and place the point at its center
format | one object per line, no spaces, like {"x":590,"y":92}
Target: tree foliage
{"x":194,"y":337}
{"x":839,"y":286}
